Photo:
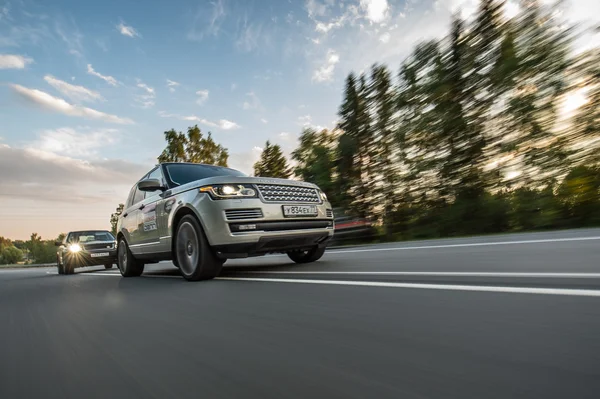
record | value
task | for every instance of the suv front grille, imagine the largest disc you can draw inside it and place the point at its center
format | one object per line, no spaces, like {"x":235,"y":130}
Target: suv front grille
{"x":275,"y":193}
{"x":97,"y":246}
{"x":240,"y":214}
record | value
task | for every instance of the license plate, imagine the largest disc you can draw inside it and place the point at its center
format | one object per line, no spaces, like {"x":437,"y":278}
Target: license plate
{"x":300,"y":210}
{"x":99,"y":254}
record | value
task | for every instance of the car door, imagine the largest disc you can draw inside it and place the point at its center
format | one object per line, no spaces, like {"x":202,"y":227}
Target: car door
{"x":132,"y":221}
{"x":151,"y":223}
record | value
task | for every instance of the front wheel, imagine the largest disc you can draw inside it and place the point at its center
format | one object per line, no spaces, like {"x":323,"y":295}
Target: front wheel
{"x":312,"y":255}
{"x":128,"y":265}
{"x":60,"y":266}
{"x":68,"y":265}
{"x":193,"y":254}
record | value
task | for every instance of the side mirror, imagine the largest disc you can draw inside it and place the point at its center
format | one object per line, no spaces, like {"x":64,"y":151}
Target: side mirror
{"x":58,"y":243}
{"x":150,"y":185}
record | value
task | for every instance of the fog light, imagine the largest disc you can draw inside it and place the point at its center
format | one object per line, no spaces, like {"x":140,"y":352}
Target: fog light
{"x":245,"y":227}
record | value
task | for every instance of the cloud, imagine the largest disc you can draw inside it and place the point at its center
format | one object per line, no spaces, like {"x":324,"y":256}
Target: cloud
{"x":223,"y":124}
{"x":233,"y":86}
{"x":13,"y":61}
{"x":305,"y":120}
{"x":252,"y":36}
{"x":325,"y":72}
{"x":108,"y":79}
{"x":127,"y":30}
{"x":244,"y":161}
{"x":209,"y":22}
{"x":252,"y":103}
{"x":75,"y":93}
{"x":55,"y":104}
{"x":171,"y":84}
{"x":376,"y":10}
{"x":385,"y":38}
{"x":316,"y":9}
{"x":263,"y":120}
{"x":82,"y":142}
{"x":202,"y":96}
{"x":81,"y":194}
{"x":146,"y":100}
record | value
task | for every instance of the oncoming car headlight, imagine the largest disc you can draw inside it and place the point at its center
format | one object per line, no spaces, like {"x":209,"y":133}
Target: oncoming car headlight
{"x":74,"y":248}
{"x":228,"y":191}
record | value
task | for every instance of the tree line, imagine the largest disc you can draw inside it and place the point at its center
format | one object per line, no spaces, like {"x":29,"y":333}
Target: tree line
{"x":473,"y":134}
{"x":34,"y":250}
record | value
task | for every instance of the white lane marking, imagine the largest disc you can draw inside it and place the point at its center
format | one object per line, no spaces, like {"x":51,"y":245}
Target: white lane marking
{"x":433,"y":274}
{"x":447,"y":287}
{"x":472,"y":244}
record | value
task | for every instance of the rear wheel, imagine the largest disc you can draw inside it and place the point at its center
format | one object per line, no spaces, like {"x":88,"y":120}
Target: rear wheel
{"x":128,"y":265}
{"x":193,"y":254}
{"x":311,"y":255}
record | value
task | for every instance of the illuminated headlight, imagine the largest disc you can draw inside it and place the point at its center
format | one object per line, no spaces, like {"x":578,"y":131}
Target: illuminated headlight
{"x":323,"y":196}
{"x":227,"y":191}
{"x":74,"y":248}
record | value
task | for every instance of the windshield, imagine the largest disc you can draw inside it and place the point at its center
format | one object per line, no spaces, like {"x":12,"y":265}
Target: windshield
{"x":87,"y":236}
{"x":181,"y":174}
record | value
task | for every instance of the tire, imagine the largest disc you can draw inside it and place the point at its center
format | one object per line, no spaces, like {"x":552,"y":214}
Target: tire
{"x":108,"y":266}
{"x":312,"y":255}
{"x":128,"y":265}
{"x":194,"y":256}
{"x":60,"y":266}
{"x":68,"y":265}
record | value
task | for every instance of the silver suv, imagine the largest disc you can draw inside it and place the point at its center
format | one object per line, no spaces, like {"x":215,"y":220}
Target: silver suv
{"x":200,"y":215}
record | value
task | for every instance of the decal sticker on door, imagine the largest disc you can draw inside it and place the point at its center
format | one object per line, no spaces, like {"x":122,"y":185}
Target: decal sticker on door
{"x":149,"y":215}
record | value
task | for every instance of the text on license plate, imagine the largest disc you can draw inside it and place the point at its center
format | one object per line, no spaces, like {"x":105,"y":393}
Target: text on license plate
{"x":97,"y":255}
{"x":300,"y":210}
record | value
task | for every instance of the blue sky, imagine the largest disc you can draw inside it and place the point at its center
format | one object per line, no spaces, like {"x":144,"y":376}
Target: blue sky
{"x":88,"y":87}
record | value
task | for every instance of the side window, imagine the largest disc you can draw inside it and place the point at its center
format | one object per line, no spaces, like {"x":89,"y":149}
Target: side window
{"x":130,"y":198}
{"x":155,"y":174}
{"x":138,"y":197}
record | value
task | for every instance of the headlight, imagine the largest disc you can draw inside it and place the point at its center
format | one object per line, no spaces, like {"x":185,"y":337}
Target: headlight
{"x":323,"y":196}
{"x":74,"y":248}
{"x":227,"y":191}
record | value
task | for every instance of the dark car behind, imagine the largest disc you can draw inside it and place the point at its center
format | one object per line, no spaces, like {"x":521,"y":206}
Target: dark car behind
{"x":351,"y":229}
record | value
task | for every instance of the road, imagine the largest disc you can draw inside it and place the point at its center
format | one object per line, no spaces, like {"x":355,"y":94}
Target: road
{"x":513,"y":316}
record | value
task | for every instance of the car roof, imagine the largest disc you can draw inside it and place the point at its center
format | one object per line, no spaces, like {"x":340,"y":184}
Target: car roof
{"x":89,"y":231}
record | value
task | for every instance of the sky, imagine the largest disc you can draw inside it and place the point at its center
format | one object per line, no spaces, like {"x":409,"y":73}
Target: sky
{"x":87,"y":88}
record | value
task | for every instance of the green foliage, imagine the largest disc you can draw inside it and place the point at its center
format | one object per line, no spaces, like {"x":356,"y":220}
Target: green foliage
{"x":193,"y":148}
{"x":272,"y":163}
{"x":10,"y":255}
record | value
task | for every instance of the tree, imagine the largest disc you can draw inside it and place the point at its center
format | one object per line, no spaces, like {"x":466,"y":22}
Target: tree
{"x":193,"y":148}
{"x":347,"y":149}
{"x":10,"y":255}
{"x":114,"y":218}
{"x":315,"y":160}
{"x":272,"y":163}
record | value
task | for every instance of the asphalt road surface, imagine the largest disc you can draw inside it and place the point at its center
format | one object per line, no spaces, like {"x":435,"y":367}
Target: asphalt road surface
{"x":514,"y":316}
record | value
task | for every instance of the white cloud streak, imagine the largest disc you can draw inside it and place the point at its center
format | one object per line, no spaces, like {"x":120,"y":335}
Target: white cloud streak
{"x":223,"y":124}
{"x":108,"y":79}
{"x":13,"y":61}
{"x":81,"y":142}
{"x":172,"y":85}
{"x":146,"y":100}
{"x":48,"y":102}
{"x":252,"y":103}
{"x":202,"y":96}
{"x":128,"y":31}
{"x":325,"y":72}
{"x":74,"y":92}
{"x":376,"y":10}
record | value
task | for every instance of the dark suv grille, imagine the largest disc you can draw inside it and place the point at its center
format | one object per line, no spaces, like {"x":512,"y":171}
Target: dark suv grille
{"x":275,"y":193}
{"x":240,"y":214}
{"x":104,"y":245}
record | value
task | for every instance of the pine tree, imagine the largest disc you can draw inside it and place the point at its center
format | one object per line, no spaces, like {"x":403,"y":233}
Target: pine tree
{"x":272,"y":163}
{"x":347,"y":149}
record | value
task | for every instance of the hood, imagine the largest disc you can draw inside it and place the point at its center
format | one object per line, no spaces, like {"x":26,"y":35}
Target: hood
{"x":241,"y":180}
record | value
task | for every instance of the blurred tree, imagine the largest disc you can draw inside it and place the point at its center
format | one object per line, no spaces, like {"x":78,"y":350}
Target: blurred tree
{"x":346,"y":162}
{"x":580,"y":194}
{"x":114,"y":219}
{"x":272,"y":163}
{"x":315,"y":160}
{"x":175,"y":150}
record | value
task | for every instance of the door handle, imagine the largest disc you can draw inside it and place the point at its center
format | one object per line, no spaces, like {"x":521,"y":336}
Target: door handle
{"x":142,"y":207}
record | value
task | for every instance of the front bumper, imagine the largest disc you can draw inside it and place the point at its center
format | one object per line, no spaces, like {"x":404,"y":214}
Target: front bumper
{"x":92,"y":258}
{"x":234,"y":231}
